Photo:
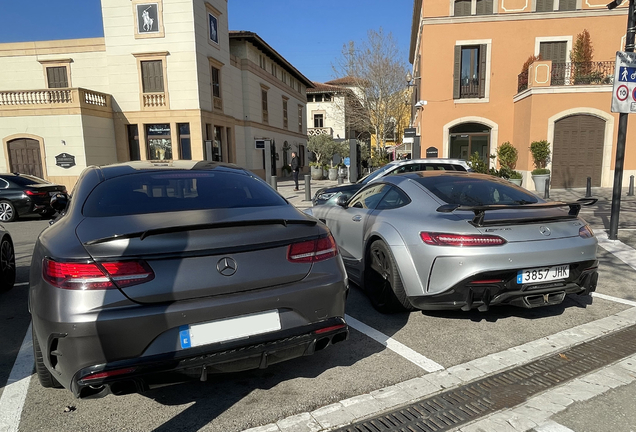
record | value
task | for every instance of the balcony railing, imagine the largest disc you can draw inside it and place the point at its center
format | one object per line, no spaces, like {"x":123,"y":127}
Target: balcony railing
{"x":320,"y":131}
{"x":154,"y":100}
{"x":567,"y":74}
{"x":55,"y":98}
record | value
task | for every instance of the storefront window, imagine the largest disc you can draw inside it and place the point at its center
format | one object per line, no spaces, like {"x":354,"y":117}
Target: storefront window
{"x":217,"y":154}
{"x":184,"y":141}
{"x":133,"y":142}
{"x":159,"y":142}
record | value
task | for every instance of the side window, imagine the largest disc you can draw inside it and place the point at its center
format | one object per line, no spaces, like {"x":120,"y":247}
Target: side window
{"x":394,"y":198}
{"x":369,"y":197}
{"x":3,"y":184}
{"x":409,"y":168}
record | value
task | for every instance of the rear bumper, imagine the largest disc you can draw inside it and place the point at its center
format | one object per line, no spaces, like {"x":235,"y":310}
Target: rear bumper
{"x":139,"y":374}
{"x":472,"y":293}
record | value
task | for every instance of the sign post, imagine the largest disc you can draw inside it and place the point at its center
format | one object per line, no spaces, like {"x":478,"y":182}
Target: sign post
{"x":625,"y":101}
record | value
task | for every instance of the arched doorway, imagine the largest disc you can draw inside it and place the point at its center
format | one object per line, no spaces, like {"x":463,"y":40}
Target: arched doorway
{"x":577,"y":151}
{"x":25,"y":157}
{"x":468,"y":138}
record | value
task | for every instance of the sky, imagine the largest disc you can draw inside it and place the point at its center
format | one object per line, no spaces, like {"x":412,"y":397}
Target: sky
{"x":308,"y":34}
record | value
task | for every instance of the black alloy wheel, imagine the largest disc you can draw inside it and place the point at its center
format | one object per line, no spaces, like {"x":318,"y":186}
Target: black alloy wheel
{"x":7,"y":212}
{"x":7,"y":264}
{"x":382,"y":281}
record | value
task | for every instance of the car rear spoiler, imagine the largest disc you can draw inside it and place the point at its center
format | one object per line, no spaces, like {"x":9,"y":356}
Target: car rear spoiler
{"x":480,"y":211}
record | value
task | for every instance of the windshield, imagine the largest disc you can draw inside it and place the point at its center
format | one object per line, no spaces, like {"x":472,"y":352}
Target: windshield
{"x":476,"y":191}
{"x":26,"y":180}
{"x":156,"y":192}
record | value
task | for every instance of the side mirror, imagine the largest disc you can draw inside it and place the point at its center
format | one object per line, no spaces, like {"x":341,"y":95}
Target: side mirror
{"x":342,"y":200}
{"x":59,"y":202}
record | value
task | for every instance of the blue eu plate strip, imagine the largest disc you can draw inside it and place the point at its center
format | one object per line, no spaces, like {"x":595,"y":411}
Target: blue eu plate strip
{"x":520,"y":278}
{"x":184,"y":336}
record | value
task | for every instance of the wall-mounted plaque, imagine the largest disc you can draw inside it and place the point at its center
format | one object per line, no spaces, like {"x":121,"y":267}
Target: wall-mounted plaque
{"x":148,"y":18}
{"x":65,"y":160}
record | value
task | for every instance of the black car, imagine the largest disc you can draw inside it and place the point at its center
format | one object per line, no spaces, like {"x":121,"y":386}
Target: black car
{"x":7,"y":260}
{"x":329,"y":195}
{"x":23,"y":194}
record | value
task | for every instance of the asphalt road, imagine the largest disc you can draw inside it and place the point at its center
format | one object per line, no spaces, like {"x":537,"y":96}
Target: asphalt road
{"x":235,"y":402}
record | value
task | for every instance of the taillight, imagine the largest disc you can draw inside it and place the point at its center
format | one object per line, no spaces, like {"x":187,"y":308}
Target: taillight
{"x":89,"y":276}
{"x":586,"y":232}
{"x":107,"y":374}
{"x":441,"y":239}
{"x":312,"y":250}
{"x":33,"y":193}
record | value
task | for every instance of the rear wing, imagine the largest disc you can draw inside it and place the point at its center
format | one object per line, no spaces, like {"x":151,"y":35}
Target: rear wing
{"x":480,"y":211}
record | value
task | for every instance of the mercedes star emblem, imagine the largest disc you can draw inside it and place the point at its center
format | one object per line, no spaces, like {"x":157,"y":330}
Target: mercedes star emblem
{"x":545,"y":230}
{"x":226,"y":266}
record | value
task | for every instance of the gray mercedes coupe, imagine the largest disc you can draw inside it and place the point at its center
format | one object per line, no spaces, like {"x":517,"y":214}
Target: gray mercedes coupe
{"x":164,"y":269}
{"x":453,"y":240}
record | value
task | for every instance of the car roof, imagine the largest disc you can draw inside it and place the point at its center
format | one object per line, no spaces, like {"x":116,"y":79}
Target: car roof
{"x":431,"y":161}
{"x":131,"y":167}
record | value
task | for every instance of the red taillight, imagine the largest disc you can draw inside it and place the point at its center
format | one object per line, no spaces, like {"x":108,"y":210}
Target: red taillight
{"x":331,"y":328}
{"x":586,"y":232}
{"x":89,"y":276}
{"x":441,"y":239}
{"x":107,"y":374}
{"x":313,"y":250}
{"x":33,"y":193}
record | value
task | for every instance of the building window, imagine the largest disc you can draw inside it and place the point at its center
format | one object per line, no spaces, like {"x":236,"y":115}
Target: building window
{"x":262,"y":62}
{"x":217,"y":144}
{"x":318,"y":120}
{"x":465,"y":7}
{"x":133,"y":142}
{"x":213,"y":25}
{"x":484,"y":7}
{"x":216,"y":84}
{"x":318,"y":98}
{"x":152,"y":76}
{"x":185,"y":147}
{"x":544,"y":6}
{"x":301,"y":155}
{"x":274,"y":70}
{"x":264,"y":105}
{"x":159,"y":142}
{"x":285,"y":119}
{"x":462,"y":7}
{"x":300,"y":118}
{"x":327,"y":98}
{"x":310,"y":98}
{"x":469,"y":78}
{"x":230,"y":153}
{"x":283,"y":77}
{"x":57,"y":77}
{"x":567,"y":5}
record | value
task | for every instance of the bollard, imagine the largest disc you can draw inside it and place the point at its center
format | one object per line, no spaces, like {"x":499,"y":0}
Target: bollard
{"x":340,"y":180}
{"x":630,"y":192}
{"x":274,"y":182}
{"x":588,"y":190}
{"x":546,"y":193}
{"x":307,"y":187}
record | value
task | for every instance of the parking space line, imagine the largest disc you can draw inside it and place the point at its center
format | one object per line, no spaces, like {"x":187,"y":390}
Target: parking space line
{"x":20,"y":284}
{"x":15,"y":391}
{"x":617,"y":248}
{"x":395,"y":346}
{"x":614,"y":299}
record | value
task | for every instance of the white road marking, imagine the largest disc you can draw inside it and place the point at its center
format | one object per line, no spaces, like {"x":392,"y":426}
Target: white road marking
{"x":617,"y":248}
{"x":395,"y":346}
{"x":15,"y":391}
{"x":20,"y":284}
{"x":551,"y":426}
{"x":614,"y":299}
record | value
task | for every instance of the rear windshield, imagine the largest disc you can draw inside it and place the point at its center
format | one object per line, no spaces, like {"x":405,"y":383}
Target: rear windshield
{"x":476,"y":191}
{"x":157,"y":192}
{"x":26,"y":180}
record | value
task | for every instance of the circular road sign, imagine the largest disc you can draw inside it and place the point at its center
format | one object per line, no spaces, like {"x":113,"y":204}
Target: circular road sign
{"x":622,"y":92}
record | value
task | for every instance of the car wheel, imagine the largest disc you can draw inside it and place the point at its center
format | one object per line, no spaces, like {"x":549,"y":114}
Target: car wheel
{"x":382,"y":281}
{"x":47,"y":379}
{"x":7,"y":264}
{"x":7,"y":212}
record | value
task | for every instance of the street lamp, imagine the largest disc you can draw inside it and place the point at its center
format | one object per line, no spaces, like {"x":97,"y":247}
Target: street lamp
{"x":420,"y":104}
{"x":409,"y":80}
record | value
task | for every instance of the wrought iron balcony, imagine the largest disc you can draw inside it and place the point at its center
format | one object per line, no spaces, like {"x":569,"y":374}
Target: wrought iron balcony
{"x":567,"y":74}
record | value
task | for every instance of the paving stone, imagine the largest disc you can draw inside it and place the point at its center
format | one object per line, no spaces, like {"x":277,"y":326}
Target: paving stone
{"x":299,"y":423}
{"x":523,"y":352}
{"x":486,"y":365}
{"x":602,"y":379}
{"x":610,"y":323}
{"x":332,"y":415}
{"x":507,"y":358}
{"x":420,"y":387}
{"x":267,"y":428}
{"x":557,"y":398}
{"x":514,"y":421}
{"x":618,"y":373}
{"x":581,"y":390}
{"x":444,"y":379}
{"x":487,"y":425}
{"x":531,"y":414}
{"x":361,"y":406}
{"x":391,"y":396}
{"x":628,"y":364}
{"x":465,"y":372}
{"x":544,"y":403}
{"x":629,"y":314}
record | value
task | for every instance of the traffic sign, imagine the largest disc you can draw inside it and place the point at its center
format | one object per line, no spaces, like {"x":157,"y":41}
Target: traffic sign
{"x":624,"y":83}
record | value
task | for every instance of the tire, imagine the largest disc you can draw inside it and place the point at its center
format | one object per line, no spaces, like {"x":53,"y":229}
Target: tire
{"x":7,"y":212}
{"x":7,"y":264}
{"x":382,"y":281}
{"x":47,"y":380}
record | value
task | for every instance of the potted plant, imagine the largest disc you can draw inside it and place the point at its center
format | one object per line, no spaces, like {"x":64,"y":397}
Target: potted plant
{"x":507,"y":155}
{"x":325,"y":148}
{"x":316,"y":170}
{"x":541,"y":156}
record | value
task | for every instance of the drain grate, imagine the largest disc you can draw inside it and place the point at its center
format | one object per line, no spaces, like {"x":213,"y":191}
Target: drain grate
{"x":507,"y":389}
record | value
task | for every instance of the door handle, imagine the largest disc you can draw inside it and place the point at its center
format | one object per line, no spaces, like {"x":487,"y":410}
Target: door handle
{"x":356,"y":218}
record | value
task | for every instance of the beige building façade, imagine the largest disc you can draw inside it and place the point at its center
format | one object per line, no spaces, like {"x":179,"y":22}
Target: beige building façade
{"x":168,"y":80}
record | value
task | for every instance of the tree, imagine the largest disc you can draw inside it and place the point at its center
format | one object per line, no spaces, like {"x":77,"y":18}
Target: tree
{"x":376,"y":73}
{"x":581,"y":57}
{"x":324,"y":147}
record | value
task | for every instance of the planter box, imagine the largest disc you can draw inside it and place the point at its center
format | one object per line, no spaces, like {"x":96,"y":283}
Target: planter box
{"x":316,"y":173}
{"x":539,"y":182}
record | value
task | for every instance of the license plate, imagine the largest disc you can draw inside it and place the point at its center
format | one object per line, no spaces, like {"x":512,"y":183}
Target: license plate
{"x":229,"y":329}
{"x":543,"y":274}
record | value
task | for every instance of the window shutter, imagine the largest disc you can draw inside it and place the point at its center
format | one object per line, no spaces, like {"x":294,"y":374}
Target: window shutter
{"x":482,"y":70}
{"x":457,"y":72}
{"x":56,"y":77}
{"x":484,"y":7}
{"x":152,"y":76}
{"x":567,"y":5}
{"x":462,"y":7}
{"x":545,"y":5}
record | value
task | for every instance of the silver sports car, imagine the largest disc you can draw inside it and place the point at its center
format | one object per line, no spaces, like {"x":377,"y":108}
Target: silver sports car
{"x":452,"y":240}
{"x":188,"y":267}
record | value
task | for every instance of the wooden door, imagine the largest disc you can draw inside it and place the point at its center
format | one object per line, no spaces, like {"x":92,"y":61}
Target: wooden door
{"x":25,"y":157}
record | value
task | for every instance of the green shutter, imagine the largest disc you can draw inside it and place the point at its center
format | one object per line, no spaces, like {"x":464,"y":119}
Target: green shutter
{"x":457,"y":72}
{"x":482,"y":70}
